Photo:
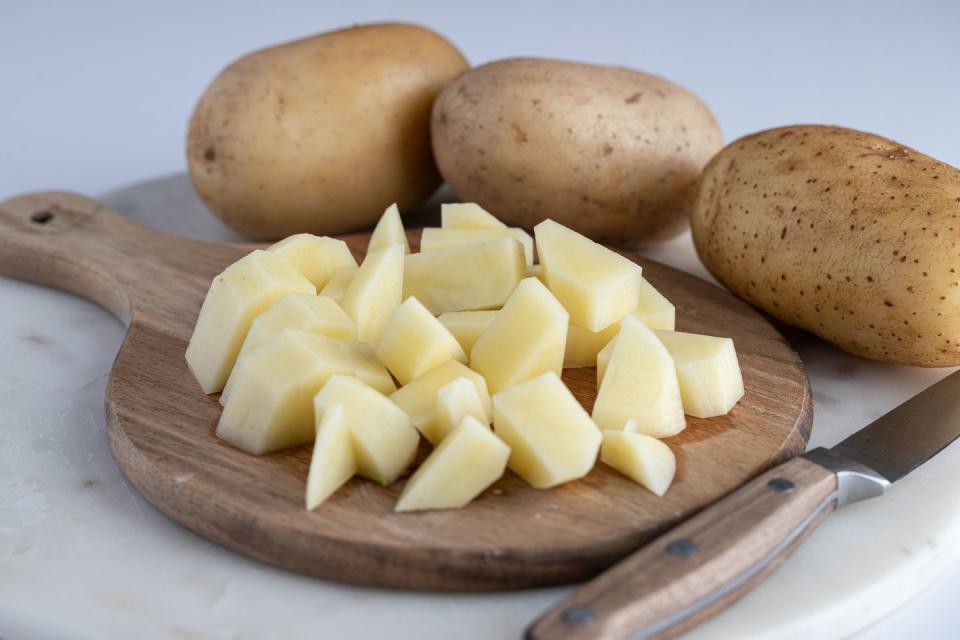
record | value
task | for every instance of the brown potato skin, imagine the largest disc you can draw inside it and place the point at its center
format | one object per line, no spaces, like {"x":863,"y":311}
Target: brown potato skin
{"x":847,"y":234}
{"x":320,"y":135}
{"x":611,"y":152}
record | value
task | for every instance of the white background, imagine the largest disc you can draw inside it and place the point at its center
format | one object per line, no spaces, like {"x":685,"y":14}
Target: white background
{"x":97,"y":94}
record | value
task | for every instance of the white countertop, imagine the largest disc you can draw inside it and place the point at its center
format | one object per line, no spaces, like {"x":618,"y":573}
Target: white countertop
{"x":98,"y":95}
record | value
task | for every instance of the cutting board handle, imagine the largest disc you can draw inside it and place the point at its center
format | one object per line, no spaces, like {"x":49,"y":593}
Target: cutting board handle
{"x":700,"y":568}
{"x":75,"y":243}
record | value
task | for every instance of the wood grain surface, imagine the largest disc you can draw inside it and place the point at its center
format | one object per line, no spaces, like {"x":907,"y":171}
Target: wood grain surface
{"x":161,"y":428}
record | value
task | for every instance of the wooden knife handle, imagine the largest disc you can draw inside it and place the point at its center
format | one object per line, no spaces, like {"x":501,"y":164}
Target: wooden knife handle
{"x":701,"y":567}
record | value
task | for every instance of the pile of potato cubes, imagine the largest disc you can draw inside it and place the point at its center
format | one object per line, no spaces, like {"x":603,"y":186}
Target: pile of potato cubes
{"x":440,"y":344}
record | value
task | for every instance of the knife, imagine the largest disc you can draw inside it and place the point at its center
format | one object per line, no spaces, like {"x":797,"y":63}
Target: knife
{"x":701,"y":567}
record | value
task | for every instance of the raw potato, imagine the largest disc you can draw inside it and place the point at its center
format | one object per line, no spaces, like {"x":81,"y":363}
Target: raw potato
{"x":295,"y":311}
{"x":269,"y":404}
{"x":419,"y":398}
{"x":321,"y":134}
{"x":654,"y":309}
{"x":640,"y":457}
{"x":315,"y":257}
{"x":526,"y":339}
{"x":433,"y":238}
{"x":536,"y":271}
{"x":235,"y":298}
{"x":467,"y":215}
{"x":465,"y":278}
{"x":640,"y":384}
{"x":467,"y":326}
{"x":468,"y":461}
{"x":610,"y":152}
{"x":375,"y":292}
{"x":332,"y":462}
{"x":415,"y":342}
{"x":551,"y":437}
{"x":843,"y":233}
{"x":456,"y":400}
{"x":708,"y":372}
{"x":389,"y":230}
{"x":384,"y":440}
{"x":596,"y":285}
{"x":339,"y":283}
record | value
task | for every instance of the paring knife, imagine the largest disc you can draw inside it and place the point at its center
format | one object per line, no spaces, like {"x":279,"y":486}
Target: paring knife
{"x":704,"y":565}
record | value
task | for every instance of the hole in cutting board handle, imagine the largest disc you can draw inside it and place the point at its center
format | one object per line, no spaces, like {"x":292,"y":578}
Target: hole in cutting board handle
{"x":42,"y":217}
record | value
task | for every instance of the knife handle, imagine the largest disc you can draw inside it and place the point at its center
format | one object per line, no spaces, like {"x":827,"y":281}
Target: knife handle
{"x":701,"y":567}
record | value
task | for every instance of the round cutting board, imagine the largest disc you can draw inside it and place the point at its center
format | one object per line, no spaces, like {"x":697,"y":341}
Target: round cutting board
{"x":161,"y":428}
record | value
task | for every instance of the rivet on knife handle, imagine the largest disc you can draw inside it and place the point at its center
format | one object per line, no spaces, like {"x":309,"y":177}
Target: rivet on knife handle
{"x":703,"y":565}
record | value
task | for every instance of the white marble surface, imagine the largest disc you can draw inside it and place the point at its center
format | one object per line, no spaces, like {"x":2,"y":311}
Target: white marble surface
{"x":83,"y":555}
{"x":97,"y":95}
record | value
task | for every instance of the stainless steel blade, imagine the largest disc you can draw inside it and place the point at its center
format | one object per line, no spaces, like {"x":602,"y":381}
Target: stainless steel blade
{"x":900,"y":441}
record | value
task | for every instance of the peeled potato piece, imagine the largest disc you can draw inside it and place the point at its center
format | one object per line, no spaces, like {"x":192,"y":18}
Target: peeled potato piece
{"x":467,"y":326}
{"x":595,"y":284}
{"x":467,"y":215}
{"x":551,"y":437}
{"x":316,"y":257}
{"x":708,"y":372}
{"x":654,"y":309}
{"x":642,"y":458}
{"x":527,"y":338}
{"x":384,"y":440}
{"x":339,"y":283}
{"x":433,"y":238}
{"x":295,"y":311}
{"x":640,"y":383}
{"x":332,"y":462}
{"x":414,"y":342}
{"x":455,"y":400}
{"x":235,"y":298}
{"x":269,"y":405}
{"x":419,"y":398}
{"x":389,"y":230}
{"x":469,"y":460}
{"x":375,"y":292}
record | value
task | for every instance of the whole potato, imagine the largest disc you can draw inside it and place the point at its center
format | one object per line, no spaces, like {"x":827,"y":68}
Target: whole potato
{"x":610,"y":152}
{"x":846,"y":234}
{"x":321,"y":134}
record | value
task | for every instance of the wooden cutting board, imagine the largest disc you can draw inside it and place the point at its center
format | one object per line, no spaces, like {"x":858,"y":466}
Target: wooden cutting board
{"x":161,"y":428}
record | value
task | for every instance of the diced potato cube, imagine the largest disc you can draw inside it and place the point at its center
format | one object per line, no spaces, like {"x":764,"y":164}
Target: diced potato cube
{"x":640,"y":383}
{"x":466,"y":277}
{"x":468,"y":461}
{"x":236,"y":297}
{"x":536,"y":271}
{"x":551,"y":437}
{"x":419,"y":398}
{"x":332,"y":462}
{"x":642,"y":458}
{"x":339,"y":283}
{"x":375,"y":292}
{"x":316,"y":257}
{"x":467,"y":215}
{"x":433,"y":238}
{"x":384,"y":440}
{"x":527,"y":338}
{"x":596,"y":285}
{"x":708,"y":372}
{"x":654,"y":309}
{"x":415,"y":342}
{"x":603,"y":357}
{"x":269,"y":405}
{"x":455,"y":400}
{"x":389,"y":230}
{"x":296,"y":311}
{"x":466,"y":326}
{"x":583,"y":345}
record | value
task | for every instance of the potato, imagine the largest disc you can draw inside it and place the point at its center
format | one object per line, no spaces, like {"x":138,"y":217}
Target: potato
{"x":610,"y":152}
{"x":844,"y":233}
{"x":414,"y":342}
{"x":321,"y":134}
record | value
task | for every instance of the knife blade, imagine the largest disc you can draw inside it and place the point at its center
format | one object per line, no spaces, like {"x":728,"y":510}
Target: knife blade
{"x":705,"y":564}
